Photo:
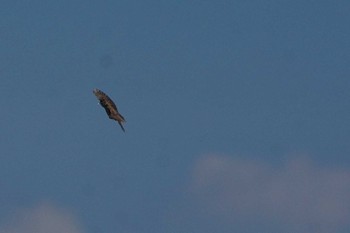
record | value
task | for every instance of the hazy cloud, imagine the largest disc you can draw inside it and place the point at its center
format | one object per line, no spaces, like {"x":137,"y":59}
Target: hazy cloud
{"x":298,"y":196}
{"x":43,"y":218}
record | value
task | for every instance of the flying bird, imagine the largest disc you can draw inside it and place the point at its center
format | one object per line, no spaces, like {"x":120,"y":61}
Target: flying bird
{"x":110,"y":107}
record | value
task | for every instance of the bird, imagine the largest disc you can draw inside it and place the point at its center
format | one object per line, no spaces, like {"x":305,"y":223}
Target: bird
{"x":110,"y":107}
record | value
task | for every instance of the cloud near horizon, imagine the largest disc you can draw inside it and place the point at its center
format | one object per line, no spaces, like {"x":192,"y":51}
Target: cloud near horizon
{"x":298,"y":196}
{"x":42,"y":218}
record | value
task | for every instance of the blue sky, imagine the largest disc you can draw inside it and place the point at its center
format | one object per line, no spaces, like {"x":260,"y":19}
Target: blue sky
{"x":237,"y":116}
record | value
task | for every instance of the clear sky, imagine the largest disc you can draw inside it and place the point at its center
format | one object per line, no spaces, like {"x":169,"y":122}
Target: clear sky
{"x":237,"y":116}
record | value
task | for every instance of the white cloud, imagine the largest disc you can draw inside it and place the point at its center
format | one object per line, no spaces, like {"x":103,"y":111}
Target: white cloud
{"x":299,"y":195}
{"x":43,"y":218}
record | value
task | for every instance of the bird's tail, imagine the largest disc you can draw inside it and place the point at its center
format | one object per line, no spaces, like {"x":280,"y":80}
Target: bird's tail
{"x":121,"y":117}
{"x":121,"y":126}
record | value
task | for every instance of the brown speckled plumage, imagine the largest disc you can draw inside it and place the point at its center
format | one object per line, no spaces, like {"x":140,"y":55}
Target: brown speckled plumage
{"x":110,"y":107}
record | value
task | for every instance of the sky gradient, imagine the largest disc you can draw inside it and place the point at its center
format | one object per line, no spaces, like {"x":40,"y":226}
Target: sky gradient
{"x":237,"y":116}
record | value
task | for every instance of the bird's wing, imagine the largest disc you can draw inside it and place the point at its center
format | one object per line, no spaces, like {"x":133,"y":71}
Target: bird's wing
{"x":106,"y":102}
